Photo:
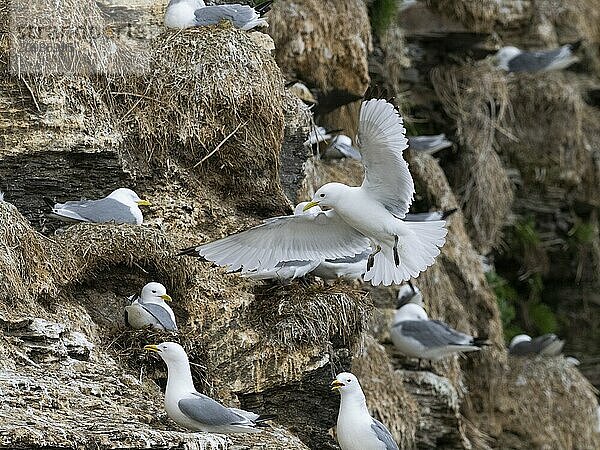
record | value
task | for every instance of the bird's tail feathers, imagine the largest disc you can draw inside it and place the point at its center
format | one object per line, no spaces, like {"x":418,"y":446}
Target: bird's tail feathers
{"x":415,"y":252}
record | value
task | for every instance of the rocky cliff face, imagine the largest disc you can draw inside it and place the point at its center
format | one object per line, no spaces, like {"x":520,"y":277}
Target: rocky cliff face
{"x":200,"y":123}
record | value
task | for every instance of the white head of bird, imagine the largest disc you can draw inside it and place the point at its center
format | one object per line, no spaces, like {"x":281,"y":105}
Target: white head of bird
{"x":170,"y":352}
{"x":519,"y":338}
{"x":411,"y":311}
{"x":504,"y":55}
{"x":155,"y":292}
{"x":328,"y":195}
{"x":128,"y":197}
{"x":348,"y":386}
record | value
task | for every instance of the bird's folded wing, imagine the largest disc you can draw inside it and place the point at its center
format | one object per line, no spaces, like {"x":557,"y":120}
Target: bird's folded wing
{"x":432,"y":333}
{"x":384,"y":435}
{"x":103,"y":210}
{"x":302,"y":237}
{"x":207,"y":411}
{"x":381,"y":142}
{"x":348,"y":151}
{"x":161,"y":315}
{"x":534,"y":61}
{"x":239,"y":15}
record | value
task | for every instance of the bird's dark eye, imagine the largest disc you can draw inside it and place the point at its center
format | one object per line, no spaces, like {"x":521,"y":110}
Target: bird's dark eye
{"x":349,"y":381}
{"x":154,"y":292}
{"x":322,"y":195}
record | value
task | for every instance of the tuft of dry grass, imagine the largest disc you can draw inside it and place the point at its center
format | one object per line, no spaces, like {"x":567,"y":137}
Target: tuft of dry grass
{"x":477,"y":98}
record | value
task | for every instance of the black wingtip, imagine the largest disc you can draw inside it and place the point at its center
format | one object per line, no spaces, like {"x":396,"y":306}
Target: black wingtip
{"x":448,"y":213}
{"x":263,"y":418}
{"x":48,"y":201}
{"x":575,"y":45}
{"x":263,"y":8}
{"x":190,"y":251}
{"x":481,"y":341}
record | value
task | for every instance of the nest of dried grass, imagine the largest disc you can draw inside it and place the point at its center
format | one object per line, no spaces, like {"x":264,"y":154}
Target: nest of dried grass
{"x":22,"y":258}
{"x":545,"y":403}
{"x":476,"y":15}
{"x":67,"y":37}
{"x":215,"y":102}
{"x":547,"y":140}
{"x":295,"y":317}
{"x":477,"y":98}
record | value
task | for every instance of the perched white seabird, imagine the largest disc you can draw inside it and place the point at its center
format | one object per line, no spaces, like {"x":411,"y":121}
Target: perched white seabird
{"x":193,"y":410}
{"x":428,"y":144}
{"x":150,"y":309}
{"x":356,"y":429}
{"x":341,"y":147}
{"x":409,"y":293}
{"x":513,"y":59}
{"x":416,"y":336}
{"x":545,"y":345}
{"x":195,"y":13}
{"x":363,"y":216}
{"x":120,"y":206}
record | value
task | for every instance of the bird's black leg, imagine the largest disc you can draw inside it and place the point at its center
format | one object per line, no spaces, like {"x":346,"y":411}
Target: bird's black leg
{"x":371,"y":259}
{"x":419,"y":364}
{"x":411,"y":286}
{"x":396,"y":257}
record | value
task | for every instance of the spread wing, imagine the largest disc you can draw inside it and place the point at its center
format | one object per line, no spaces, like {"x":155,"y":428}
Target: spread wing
{"x":381,"y":142}
{"x":239,"y":15}
{"x":97,"y":211}
{"x":161,"y":315}
{"x":304,"y":237}
{"x":433,"y":333}
{"x":384,"y":435}
{"x":207,"y":411}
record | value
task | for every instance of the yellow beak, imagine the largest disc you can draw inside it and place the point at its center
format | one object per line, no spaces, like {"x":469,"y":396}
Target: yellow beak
{"x":335,"y":384}
{"x":151,"y":348}
{"x":166,"y":298}
{"x":143,"y":203}
{"x":309,"y":205}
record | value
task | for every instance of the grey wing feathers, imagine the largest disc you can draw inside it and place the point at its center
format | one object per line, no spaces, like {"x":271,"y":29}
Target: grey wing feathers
{"x":351,"y":259}
{"x":384,"y":435}
{"x":210,"y":412}
{"x":534,"y":61}
{"x":161,"y":315}
{"x":536,"y":346}
{"x":100,"y":211}
{"x":433,"y":333}
{"x":239,"y":15}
